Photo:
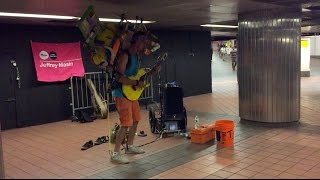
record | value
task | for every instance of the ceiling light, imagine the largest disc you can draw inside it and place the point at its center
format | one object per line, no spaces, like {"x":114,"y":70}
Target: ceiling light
{"x":218,"y":25}
{"x":305,"y":10}
{"x":118,"y":20}
{"x":45,"y":16}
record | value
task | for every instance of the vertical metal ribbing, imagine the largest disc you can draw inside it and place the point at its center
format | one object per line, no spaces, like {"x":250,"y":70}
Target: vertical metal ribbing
{"x":82,"y":91}
{"x":2,"y":172}
{"x":269,"y":65}
{"x":72,"y":96}
{"x":77,"y":89}
{"x":86,"y":87}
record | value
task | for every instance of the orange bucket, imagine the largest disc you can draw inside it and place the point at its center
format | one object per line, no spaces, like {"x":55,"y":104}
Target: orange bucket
{"x":225,"y":132}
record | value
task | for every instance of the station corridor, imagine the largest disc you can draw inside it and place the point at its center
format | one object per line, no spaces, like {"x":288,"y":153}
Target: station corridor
{"x":53,"y":150}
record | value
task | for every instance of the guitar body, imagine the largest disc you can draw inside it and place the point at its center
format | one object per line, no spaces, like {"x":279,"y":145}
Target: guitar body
{"x":99,"y":104}
{"x":128,"y":90}
{"x":134,"y":94}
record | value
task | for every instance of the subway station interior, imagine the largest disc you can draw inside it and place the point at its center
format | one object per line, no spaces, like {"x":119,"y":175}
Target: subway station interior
{"x":233,"y":91}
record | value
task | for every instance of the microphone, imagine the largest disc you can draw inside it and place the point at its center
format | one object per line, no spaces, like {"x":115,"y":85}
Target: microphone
{"x":13,"y":62}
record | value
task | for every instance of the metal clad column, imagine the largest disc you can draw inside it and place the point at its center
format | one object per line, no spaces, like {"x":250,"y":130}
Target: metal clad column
{"x":269,"y":65}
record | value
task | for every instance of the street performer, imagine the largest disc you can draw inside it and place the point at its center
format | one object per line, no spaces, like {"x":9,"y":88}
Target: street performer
{"x":129,"y":111}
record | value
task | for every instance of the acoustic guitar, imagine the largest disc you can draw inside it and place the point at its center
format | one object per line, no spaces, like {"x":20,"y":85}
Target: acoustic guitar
{"x":98,"y":102}
{"x":131,"y":92}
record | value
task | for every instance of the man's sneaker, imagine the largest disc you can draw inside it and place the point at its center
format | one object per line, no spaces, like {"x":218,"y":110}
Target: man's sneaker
{"x":119,"y":158}
{"x":134,"y":150}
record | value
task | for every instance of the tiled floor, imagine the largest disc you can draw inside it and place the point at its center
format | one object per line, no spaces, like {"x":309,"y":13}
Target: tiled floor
{"x":53,"y":150}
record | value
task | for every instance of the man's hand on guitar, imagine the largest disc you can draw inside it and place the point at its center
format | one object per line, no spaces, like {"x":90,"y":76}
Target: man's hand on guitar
{"x":140,"y":84}
{"x":133,"y":89}
{"x":156,"y":69}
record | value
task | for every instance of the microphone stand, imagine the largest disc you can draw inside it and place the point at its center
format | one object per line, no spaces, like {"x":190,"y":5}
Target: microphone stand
{"x":14,"y":64}
{"x":166,"y":74}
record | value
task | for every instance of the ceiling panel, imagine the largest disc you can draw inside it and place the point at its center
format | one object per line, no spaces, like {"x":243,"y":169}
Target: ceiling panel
{"x":168,"y":14}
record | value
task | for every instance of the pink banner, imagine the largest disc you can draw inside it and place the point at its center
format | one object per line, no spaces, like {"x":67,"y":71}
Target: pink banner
{"x":57,"y":62}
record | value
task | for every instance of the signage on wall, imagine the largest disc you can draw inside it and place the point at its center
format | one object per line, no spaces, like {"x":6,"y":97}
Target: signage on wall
{"x":57,"y":61}
{"x":305,"y":55}
{"x":304,"y":43}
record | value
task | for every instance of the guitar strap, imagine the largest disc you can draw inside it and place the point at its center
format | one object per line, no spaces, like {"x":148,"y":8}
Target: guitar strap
{"x":115,"y":84}
{"x":127,"y":66}
{"x":129,"y":59}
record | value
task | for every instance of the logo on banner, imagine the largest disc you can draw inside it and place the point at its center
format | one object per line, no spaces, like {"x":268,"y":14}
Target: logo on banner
{"x":43,"y":55}
{"x":53,"y":55}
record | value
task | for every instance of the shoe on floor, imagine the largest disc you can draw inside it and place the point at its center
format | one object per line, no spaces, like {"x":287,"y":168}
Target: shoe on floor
{"x":142,"y":134}
{"x":104,"y":139}
{"x":98,"y":141}
{"x":134,"y":150}
{"x":87,"y":145}
{"x":101,"y":140}
{"x":119,"y":158}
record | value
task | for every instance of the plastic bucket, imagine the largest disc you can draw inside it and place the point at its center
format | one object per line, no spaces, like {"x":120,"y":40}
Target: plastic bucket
{"x":224,"y":132}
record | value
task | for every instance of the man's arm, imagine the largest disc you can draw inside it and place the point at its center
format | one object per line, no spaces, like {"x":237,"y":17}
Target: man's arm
{"x":121,"y":68}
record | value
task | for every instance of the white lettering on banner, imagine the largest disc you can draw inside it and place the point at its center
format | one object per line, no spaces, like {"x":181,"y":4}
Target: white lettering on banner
{"x":56,"y":65}
{"x":68,"y":64}
{"x":48,"y":65}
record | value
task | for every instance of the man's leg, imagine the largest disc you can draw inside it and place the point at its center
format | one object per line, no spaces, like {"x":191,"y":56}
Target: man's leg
{"x":125,"y":115}
{"x":132,"y":132}
{"x":133,"y":129}
{"x":120,"y":137}
{"x":116,"y":155}
{"x":233,"y":64}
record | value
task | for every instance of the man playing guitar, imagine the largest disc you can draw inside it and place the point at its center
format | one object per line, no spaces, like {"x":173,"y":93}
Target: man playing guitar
{"x":129,"y":111}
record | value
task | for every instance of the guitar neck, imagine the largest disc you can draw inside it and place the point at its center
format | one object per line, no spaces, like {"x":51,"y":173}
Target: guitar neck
{"x":161,"y":59}
{"x":149,"y":73}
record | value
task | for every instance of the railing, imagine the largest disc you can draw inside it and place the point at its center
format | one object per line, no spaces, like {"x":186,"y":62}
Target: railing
{"x":81,"y":95}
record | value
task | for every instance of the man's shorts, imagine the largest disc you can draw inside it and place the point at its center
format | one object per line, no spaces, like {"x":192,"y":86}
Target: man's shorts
{"x":129,"y":111}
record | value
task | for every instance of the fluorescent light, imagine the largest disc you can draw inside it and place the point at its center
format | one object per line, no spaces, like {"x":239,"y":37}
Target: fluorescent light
{"x":305,"y":10}
{"x":36,"y":15}
{"x":45,"y":16}
{"x":118,"y":20}
{"x":218,"y":25}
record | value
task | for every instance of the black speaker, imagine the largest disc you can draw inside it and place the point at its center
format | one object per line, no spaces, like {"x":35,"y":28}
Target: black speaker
{"x":173,"y":100}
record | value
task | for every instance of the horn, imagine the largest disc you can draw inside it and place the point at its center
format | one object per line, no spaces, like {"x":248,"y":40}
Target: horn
{"x":162,"y":57}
